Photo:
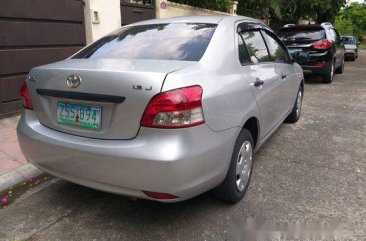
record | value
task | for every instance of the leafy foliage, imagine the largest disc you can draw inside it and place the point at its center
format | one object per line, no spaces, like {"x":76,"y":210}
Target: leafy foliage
{"x":263,"y":9}
{"x":330,"y":10}
{"x":352,"y":20}
{"x":291,"y":10}
{"x":219,"y":5}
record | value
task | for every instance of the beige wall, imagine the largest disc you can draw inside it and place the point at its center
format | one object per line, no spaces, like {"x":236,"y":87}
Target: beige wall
{"x":175,"y":10}
{"x":109,"y":14}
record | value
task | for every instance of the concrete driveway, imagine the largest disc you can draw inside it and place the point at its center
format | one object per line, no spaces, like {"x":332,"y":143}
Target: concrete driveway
{"x":312,"y":171}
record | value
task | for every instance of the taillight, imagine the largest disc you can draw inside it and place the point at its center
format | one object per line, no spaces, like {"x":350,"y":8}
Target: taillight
{"x":177,"y":108}
{"x":319,"y":64}
{"x":322,"y":45}
{"x":24,"y":93}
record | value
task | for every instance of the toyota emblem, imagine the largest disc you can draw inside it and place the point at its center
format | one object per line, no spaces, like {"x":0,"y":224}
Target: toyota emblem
{"x":73,"y":81}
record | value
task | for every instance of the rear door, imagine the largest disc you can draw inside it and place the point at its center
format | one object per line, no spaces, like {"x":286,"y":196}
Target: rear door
{"x":285,"y":69}
{"x":262,"y":76}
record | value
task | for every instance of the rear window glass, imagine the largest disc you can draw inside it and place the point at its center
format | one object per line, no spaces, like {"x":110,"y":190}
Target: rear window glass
{"x":173,"y":41}
{"x":301,"y":34}
{"x":348,"y":40}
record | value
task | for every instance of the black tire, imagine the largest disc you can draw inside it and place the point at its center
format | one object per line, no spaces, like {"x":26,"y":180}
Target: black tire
{"x":328,"y":78}
{"x":295,"y":114}
{"x":228,"y":190}
{"x":341,"y":68}
{"x":353,"y":58}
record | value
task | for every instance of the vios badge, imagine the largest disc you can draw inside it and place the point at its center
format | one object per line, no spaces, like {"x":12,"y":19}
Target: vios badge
{"x":73,"y":81}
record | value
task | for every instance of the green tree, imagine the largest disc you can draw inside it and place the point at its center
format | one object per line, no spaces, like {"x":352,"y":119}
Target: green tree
{"x":263,"y":9}
{"x":352,"y":20}
{"x":219,"y":5}
{"x":329,"y":13}
{"x":291,"y":10}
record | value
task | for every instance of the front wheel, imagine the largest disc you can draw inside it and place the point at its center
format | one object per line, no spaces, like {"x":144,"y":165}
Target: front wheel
{"x":237,"y":179}
{"x":294,"y":116}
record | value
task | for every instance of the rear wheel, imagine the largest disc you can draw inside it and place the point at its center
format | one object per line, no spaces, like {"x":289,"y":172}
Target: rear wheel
{"x":328,"y":78}
{"x":341,"y":68}
{"x":237,"y":179}
{"x":294,"y":116}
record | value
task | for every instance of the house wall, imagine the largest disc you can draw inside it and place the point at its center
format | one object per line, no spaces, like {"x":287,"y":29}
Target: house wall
{"x":109,"y":14}
{"x":167,"y":9}
{"x":101,"y":18}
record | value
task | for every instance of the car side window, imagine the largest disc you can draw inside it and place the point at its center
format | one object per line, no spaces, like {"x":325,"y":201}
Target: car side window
{"x":243,"y":52}
{"x":256,"y":46}
{"x":276,"y":50}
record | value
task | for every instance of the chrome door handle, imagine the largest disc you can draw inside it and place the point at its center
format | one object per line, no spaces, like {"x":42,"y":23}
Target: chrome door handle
{"x":258,"y":83}
{"x":283,"y":76}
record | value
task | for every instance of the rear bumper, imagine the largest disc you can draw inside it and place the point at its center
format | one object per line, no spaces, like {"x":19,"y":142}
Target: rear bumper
{"x":350,"y":53}
{"x":325,"y":69}
{"x":182,"y":162}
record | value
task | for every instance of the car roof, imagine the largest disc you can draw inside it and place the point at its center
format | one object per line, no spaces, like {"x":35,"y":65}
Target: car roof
{"x":209,"y":19}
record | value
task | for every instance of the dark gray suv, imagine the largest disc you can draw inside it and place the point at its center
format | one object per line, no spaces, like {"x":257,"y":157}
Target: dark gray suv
{"x":320,"y":45}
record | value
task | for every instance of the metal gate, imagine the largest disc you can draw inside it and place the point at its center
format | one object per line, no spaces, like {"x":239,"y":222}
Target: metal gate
{"x":33,"y":33}
{"x":137,"y":10}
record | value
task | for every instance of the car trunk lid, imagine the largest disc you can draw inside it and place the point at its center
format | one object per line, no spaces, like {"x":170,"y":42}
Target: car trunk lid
{"x":119,"y":90}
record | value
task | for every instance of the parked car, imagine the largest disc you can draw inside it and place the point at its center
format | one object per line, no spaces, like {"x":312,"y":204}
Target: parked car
{"x":321,"y":43}
{"x":164,"y":109}
{"x":351,"y":46}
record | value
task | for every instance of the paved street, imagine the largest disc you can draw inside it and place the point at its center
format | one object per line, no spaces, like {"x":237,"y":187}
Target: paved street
{"x":314,"y":170}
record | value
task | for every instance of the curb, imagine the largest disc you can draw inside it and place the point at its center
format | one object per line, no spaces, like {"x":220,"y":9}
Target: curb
{"x":22,"y":174}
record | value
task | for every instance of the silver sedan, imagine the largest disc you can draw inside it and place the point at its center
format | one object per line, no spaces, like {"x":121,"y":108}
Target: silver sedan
{"x":163,"y":109}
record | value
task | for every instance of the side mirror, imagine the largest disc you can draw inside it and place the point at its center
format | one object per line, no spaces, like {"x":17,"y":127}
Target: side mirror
{"x":300,"y":57}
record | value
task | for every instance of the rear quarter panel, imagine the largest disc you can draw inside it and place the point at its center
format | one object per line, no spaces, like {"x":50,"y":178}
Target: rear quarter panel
{"x":228,"y":100}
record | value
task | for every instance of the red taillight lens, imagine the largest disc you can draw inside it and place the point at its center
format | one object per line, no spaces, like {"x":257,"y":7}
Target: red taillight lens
{"x":159,"y":195}
{"x":175,"y":109}
{"x":24,"y":93}
{"x":322,"y":45}
{"x":319,"y":64}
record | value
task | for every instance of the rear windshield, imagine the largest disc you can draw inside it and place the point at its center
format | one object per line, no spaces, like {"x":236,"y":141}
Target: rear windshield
{"x":173,"y":41}
{"x":348,"y":40}
{"x":301,"y":34}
